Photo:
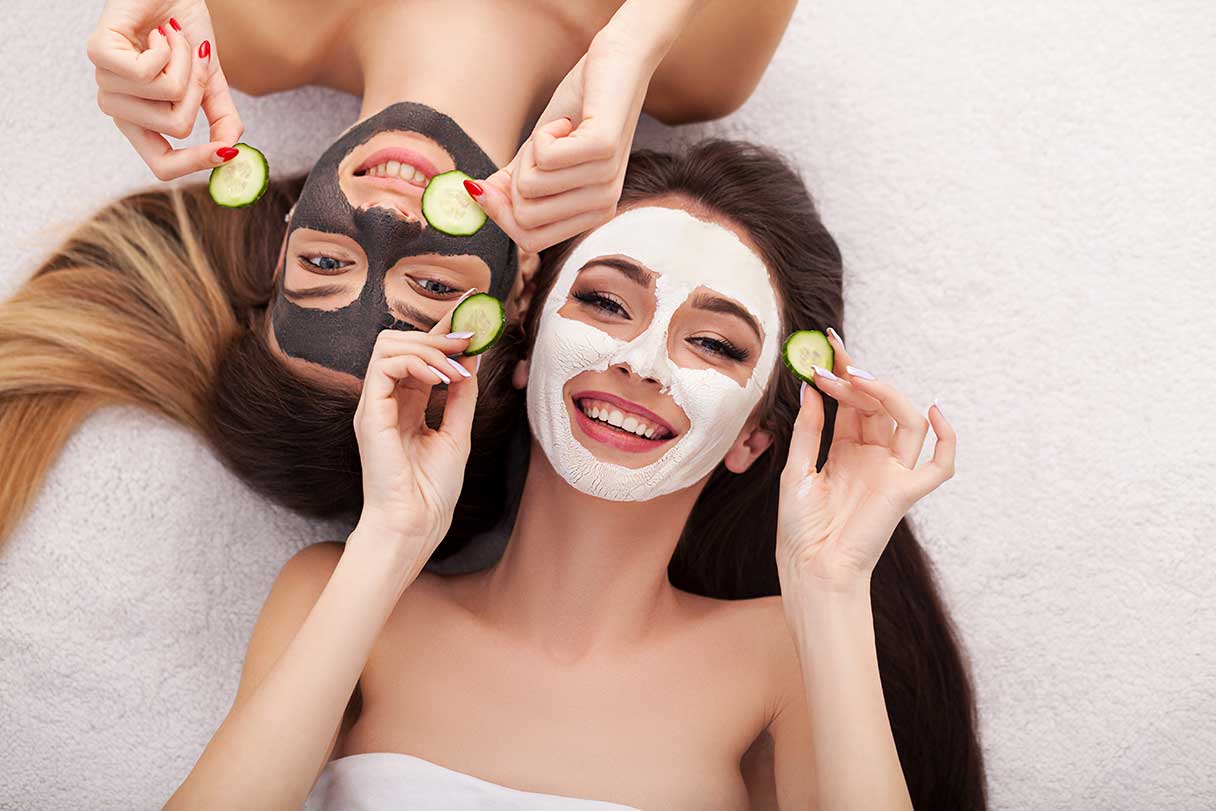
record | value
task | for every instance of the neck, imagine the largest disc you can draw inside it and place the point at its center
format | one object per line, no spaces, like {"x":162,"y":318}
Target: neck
{"x":580,"y":575}
{"x":492,"y":90}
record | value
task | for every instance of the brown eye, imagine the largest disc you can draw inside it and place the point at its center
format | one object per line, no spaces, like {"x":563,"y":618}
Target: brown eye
{"x":600,"y":301}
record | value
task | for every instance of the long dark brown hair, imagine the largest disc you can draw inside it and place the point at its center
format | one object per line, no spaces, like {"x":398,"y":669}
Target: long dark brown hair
{"x":728,"y":547}
{"x":159,"y":300}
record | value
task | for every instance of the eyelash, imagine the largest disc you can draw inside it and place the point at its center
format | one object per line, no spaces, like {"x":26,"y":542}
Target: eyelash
{"x":721,"y":347}
{"x":447,"y":289}
{"x":602,"y":302}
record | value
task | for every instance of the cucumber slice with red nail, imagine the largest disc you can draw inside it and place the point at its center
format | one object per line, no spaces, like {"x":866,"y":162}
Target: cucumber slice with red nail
{"x":240,"y":181}
{"x":805,"y":349}
{"x":482,"y":315}
{"x":447,"y":206}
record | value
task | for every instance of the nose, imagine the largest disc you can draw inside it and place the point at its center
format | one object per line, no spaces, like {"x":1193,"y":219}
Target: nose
{"x":623,"y":368}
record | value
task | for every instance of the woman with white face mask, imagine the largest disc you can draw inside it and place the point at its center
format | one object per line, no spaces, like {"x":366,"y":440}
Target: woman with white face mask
{"x":709,"y":597}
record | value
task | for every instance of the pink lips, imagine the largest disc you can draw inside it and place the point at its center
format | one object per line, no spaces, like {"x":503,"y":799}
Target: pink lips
{"x":611,"y":436}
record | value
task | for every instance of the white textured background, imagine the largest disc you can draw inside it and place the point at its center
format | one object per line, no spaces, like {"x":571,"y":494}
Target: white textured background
{"x":1026,"y":197}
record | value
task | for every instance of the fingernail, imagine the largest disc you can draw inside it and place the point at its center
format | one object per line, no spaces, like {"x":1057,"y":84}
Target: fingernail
{"x":463,"y":371}
{"x":862,"y":373}
{"x":477,"y":368}
{"x":442,"y":376}
{"x":819,"y":370}
{"x":459,"y":335}
{"x":836,"y":335}
{"x":174,"y":23}
{"x":801,"y":392}
{"x":227,"y":153}
{"x":204,"y":50}
{"x":473,"y":189}
{"x":161,"y":29}
{"x":938,"y":403}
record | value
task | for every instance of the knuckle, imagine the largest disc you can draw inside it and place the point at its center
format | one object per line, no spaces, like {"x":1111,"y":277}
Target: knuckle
{"x":162,"y":172}
{"x":180,"y":126}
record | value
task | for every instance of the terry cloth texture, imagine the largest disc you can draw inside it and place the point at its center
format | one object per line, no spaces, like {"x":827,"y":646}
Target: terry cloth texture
{"x":1025,"y":194}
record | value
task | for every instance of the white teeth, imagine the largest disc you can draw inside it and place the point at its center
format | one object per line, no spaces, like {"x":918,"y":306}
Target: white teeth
{"x":618,"y":419}
{"x":630,"y":424}
{"x":649,"y":433}
{"x":615,"y":418}
{"x":419,"y":177}
{"x":393,"y":168}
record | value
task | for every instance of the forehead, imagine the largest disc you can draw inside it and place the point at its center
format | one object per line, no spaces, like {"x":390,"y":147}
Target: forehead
{"x":686,"y":252}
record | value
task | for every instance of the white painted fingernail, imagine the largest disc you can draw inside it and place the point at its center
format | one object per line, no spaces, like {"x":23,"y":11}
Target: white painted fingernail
{"x":442,"y":376}
{"x":862,"y":373}
{"x":459,"y":335}
{"x":938,"y":403}
{"x":801,"y":392}
{"x":836,"y":335}
{"x":819,"y":370}
{"x":477,"y":368}
{"x":456,"y":365}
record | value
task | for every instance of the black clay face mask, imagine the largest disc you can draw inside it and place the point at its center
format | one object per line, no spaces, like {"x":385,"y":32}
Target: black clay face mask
{"x":381,"y":224}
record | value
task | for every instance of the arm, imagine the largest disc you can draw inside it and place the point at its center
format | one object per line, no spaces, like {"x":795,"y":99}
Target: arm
{"x":288,"y":712}
{"x":832,"y":527}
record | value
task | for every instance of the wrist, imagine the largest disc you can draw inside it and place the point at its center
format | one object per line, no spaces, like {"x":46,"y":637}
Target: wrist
{"x":648,"y":29}
{"x":387,"y":548}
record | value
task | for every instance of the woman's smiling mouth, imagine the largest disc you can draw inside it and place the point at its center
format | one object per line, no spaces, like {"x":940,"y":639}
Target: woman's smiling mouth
{"x":620,"y":423}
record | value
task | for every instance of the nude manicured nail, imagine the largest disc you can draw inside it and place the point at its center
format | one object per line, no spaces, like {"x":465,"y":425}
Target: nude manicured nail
{"x":819,"y":370}
{"x":459,"y":335}
{"x":801,"y":392}
{"x":862,"y":373}
{"x":938,"y":403}
{"x":442,"y":376}
{"x":477,"y":368}
{"x":456,"y":365}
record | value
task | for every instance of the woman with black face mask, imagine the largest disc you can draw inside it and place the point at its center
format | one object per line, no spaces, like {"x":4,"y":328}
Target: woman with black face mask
{"x":253,"y":326}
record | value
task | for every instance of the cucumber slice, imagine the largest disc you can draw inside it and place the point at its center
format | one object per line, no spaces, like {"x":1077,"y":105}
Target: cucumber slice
{"x":804,"y":349}
{"x":240,"y":181}
{"x":448,"y":207}
{"x":482,"y":315}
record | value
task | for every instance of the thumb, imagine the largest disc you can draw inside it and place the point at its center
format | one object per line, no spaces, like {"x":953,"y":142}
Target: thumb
{"x":494,"y":196}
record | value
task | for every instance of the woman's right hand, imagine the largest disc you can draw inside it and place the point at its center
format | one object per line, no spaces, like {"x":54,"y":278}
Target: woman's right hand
{"x":412,"y":474}
{"x":157,"y":65}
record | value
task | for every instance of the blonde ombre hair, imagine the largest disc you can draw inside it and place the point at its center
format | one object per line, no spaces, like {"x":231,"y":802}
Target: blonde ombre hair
{"x":159,"y":301}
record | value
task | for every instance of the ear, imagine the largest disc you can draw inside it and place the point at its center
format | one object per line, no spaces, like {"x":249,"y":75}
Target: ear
{"x":524,"y":289}
{"x":747,"y":448}
{"x":519,"y":377}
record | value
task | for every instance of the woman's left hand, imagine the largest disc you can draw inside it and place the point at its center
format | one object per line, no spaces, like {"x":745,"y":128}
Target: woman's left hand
{"x":567,"y":177}
{"x":833,"y":524}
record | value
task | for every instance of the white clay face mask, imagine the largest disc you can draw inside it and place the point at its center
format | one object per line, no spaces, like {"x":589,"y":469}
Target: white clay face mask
{"x":685,"y":253}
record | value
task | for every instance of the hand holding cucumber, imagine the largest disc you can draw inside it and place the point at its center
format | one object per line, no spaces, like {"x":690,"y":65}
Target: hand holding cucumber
{"x":567,"y":176}
{"x":412,"y":473}
{"x":834,"y":523}
{"x":157,"y":66}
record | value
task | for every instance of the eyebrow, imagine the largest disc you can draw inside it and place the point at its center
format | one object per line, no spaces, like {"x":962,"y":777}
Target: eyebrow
{"x":320,"y":291}
{"x":412,"y":315}
{"x":717,"y":304}
{"x":629,"y":269}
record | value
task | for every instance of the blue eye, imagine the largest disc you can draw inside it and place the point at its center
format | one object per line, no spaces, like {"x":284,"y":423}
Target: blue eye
{"x":601,"y":301}
{"x":325,"y":264}
{"x":720,"y":347}
{"x":435,"y":288}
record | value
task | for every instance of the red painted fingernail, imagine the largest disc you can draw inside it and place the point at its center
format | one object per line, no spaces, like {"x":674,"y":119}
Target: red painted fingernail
{"x":227,"y":152}
{"x":161,"y":29}
{"x":204,"y":50}
{"x":174,"y":23}
{"x":473,"y":189}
